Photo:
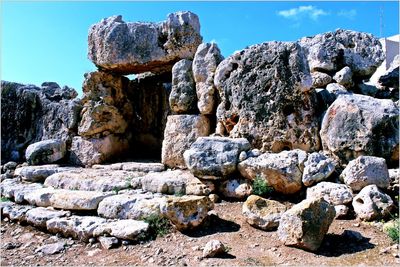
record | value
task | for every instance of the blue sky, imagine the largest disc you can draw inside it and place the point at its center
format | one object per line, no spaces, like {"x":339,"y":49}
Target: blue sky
{"x":47,"y":41}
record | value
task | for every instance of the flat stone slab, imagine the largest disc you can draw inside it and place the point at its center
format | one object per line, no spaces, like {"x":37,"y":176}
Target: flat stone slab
{"x":124,"y":229}
{"x":39,"y":216}
{"x":16,"y":212}
{"x":132,"y":166}
{"x":168,"y":182}
{"x":92,"y":180}
{"x":40,"y":173}
{"x":40,"y":197}
{"x":16,"y":190}
{"x":77,"y":200}
{"x":78,"y":227}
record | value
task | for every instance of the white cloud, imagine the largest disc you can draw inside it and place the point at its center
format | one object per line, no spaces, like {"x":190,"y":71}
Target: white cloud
{"x":311,"y":12}
{"x":350,"y":14}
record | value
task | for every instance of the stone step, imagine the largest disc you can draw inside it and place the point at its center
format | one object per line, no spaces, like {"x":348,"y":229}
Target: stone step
{"x":40,"y":173}
{"x":132,"y":166}
{"x":16,"y":190}
{"x":39,"y":216}
{"x":93,"y":179}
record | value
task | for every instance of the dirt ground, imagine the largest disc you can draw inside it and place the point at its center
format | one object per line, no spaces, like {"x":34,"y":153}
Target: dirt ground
{"x":247,"y":246}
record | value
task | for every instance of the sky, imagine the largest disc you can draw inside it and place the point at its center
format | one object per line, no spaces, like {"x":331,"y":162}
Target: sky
{"x":47,"y":41}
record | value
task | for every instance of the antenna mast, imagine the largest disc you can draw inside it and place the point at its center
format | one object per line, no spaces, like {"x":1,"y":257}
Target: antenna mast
{"x":381,"y":21}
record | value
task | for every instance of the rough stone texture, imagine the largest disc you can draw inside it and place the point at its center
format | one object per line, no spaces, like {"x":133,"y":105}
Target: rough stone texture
{"x":236,"y":188}
{"x":132,"y":166}
{"x":78,"y":227}
{"x":317,"y":168}
{"x":266,"y":98}
{"x":320,"y":79}
{"x":356,"y":125}
{"x":130,"y":206}
{"x":341,"y":211}
{"x":366,"y":170}
{"x":263,"y":213}
{"x":391,"y":77}
{"x":205,"y":63}
{"x":394,"y":175}
{"x":336,"y":90}
{"x":108,"y":242}
{"x":344,"y":77}
{"x":50,"y":249}
{"x":331,"y":51}
{"x":16,"y":212}
{"x":372,"y":204}
{"x":92,"y":180}
{"x":34,"y":114}
{"x":305,"y":224}
{"x":213,"y":248}
{"x":16,"y":190}
{"x":137,"y":47}
{"x":283,"y":171}
{"x":88,"y":152}
{"x":214,"y":157}
{"x":77,"y":200}
{"x":124,"y":229}
{"x":199,"y":187}
{"x":186,"y":212}
{"x":183,"y":94}
{"x":40,"y":197}
{"x":181,"y":131}
{"x":39,"y":173}
{"x":336,"y":194}
{"x":169,"y":182}
{"x":39,"y":216}
{"x":45,"y":152}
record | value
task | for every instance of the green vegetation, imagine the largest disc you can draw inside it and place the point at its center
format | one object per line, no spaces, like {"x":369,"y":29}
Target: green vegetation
{"x":261,"y":187}
{"x":4,"y":199}
{"x":158,"y":226}
{"x":393,"y":231}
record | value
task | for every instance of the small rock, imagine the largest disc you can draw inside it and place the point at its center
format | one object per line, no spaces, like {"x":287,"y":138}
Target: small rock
{"x":344,"y":77}
{"x":92,"y":240}
{"x":214,"y":198}
{"x":125,"y":243}
{"x":213,"y":248}
{"x":317,"y":168}
{"x":51,"y":249}
{"x":11,"y":245}
{"x":242,"y":156}
{"x":108,"y":242}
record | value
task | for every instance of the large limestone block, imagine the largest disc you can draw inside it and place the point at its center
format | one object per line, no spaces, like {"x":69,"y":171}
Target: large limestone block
{"x":78,"y":227}
{"x":214,"y":157}
{"x":283,"y":171}
{"x":92,"y":180}
{"x":88,"y":152}
{"x":169,"y":182}
{"x":186,"y":212}
{"x":130,"y":206}
{"x":77,"y":200}
{"x":318,"y":167}
{"x":336,"y":194}
{"x":45,"y":152}
{"x":40,"y":197}
{"x":39,"y":216}
{"x":16,"y":190}
{"x":331,"y":51}
{"x":39,"y":173}
{"x":182,"y":98}
{"x":16,"y":212}
{"x":181,"y":131}
{"x":266,"y":98}
{"x":305,"y":224}
{"x":372,"y":204}
{"x":136,"y":47}
{"x":263,"y":213}
{"x":124,"y":229}
{"x":205,"y":63}
{"x":356,"y":125}
{"x":366,"y":170}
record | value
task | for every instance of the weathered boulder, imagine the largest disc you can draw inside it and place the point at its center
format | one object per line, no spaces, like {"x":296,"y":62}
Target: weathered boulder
{"x":335,"y":194}
{"x":16,"y":190}
{"x":344,"y":77}
{"x":213,"y":248}
{"x":182,"y":98}
{"x":205,"y":63}
{"x":108,"y":242}
{"x":136,"y":47}
{"x":169,"y":182}
{"x":130,"y":206}
{"x":356,"y":125}
{"x":320,"y":79}
{"x":78,"y":227}
{"x":235,"y":188}
{"x":394,"y":175}
{"x":199,"y":187}
{"x":366,"y":170}
{"x":283,"y":171}
{"x":31,"y":114}
{"x":317,"y":168}
{"x":372,"y":204}
{"x":45,"y":152}
{"x":331,"y":51}
{"x":214,"y":157}
{"x":39,"y":173}
{"x":186,"y":212}
{"x":92,"y":180}
{"x":266,"y":98}
{"x":16,"y":212}
{"x":341,"y":211}
{"x":87,"y":152}
{"x":77,"y":200}
{"x":263,"y":213}
{"x":305,"y":224}
{"x":181,"y":131}
{"x":40,"y":197}
{"x":142,"y":167}
{"x":39,"y":216}
{"x":124,"y":229}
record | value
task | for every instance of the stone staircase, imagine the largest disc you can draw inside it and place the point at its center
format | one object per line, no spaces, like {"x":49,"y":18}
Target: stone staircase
{"x":106,"y":200}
